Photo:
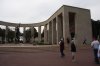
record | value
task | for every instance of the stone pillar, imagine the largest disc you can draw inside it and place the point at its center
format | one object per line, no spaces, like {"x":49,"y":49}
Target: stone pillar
{"x":66,"y":33}
{"x":59,"y":29}
{"x":39,"y":34}
{"x":50,"y":33}
{"x":45,"y":34}
{"x":54,"y":31}
{"x":32,"y":34}
{"x":6,"y":32}
{"x":24,"y":39}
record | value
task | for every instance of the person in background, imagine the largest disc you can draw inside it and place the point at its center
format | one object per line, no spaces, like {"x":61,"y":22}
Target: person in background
{"x":73,"y":49}
{"x":62,"y":47}
{"x":84,"y":42}
{"x":95,"y":45}
{"x":99,"y":52}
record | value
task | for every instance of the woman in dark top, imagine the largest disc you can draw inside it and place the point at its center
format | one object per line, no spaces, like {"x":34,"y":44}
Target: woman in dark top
{"x":62,"y":47}
{"x":73,"y":49}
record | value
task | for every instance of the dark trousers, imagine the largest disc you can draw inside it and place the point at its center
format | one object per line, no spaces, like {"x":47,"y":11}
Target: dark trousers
{"x":96,"y":55}
{"x":62,"y":52}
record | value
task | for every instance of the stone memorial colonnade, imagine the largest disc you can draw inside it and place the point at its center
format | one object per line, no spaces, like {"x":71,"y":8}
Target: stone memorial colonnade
{"x":62,"y":23}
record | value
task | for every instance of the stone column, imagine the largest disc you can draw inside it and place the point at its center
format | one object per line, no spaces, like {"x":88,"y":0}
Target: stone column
{"x":39,"y":34}
{"x":6,"y":32}
{"x":32,"y":34}
{"x":24,"y":39}
{"x":50,"y":33}
{"x":45,"y":34}
{"x":59,"y":29}
{"x":66,"y":33}
{"x":54,"y":31}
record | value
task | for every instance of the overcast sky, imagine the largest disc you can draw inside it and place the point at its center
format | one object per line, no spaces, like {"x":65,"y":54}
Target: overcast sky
{"x":33,"y":11}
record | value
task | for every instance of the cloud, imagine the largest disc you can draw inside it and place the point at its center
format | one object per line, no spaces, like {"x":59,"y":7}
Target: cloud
{"x":32,"y":11}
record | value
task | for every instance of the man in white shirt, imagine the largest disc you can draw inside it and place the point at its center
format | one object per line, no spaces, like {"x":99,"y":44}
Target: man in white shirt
{"x":99,"y":52}
{"x":95,"y":45}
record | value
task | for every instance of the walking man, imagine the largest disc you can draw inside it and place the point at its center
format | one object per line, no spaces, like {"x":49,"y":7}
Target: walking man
{"x":95,"y":45}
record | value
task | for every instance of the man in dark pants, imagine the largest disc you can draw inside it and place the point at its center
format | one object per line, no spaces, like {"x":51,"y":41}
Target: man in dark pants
{"x":62,"y":47}
{"x":95,"y":46}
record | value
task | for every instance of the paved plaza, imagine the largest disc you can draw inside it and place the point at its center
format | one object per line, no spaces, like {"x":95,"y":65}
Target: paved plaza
{"x":29,"y":55}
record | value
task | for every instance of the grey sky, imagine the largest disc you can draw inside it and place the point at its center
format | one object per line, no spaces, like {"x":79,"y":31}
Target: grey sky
{"x":33,"y":11}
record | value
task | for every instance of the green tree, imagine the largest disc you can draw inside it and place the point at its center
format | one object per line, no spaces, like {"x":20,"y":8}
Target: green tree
{"x":42,"y":35}
{"x":17,"y":34}
{"x":35,"y":33}
{"x":96,"y":28}
{"x":2,"y":35}
{"x":10,"y":35}
{"x":28,"y":34}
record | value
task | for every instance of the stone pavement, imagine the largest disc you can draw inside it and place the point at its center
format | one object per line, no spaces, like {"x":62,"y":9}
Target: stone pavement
{"x":25,"y":45}
{"x":44,"y":56}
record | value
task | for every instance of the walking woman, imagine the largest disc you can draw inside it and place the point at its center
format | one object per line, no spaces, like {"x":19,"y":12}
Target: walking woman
{"x":62,"y":47}
{"x":73,"y":49}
